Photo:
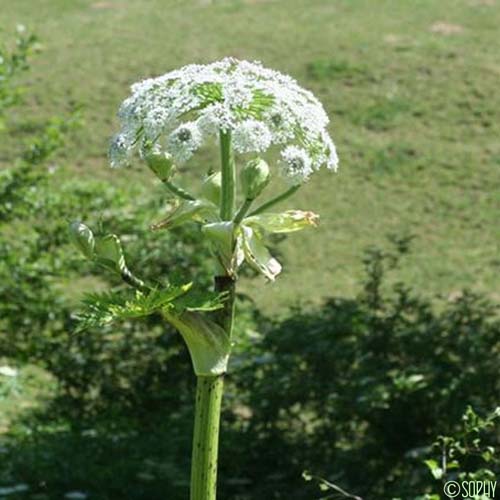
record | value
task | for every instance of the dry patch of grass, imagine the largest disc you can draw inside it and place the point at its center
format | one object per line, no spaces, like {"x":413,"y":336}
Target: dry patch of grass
{"x":444,"y":28}
{"x":106,"y":5}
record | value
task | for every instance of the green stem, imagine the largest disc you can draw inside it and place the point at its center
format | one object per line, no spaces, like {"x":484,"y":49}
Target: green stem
{"x":178,"y":191}
{"x":206,"y":438}
{"x":228,"y":190}
{"x":210,"y":389}
{"x":127,"y":276}
{"x":133,"y":281}
{"x":225,"y":316}
{"x":242,"y":211}
{"x":274,"y":201}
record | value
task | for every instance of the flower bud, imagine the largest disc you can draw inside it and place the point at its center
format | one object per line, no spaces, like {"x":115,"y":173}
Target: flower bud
{"x":211,"y":188}
{"x":160,"y":163}
{"x":83,"y":238}
{"x":109,"y":252}
{"x":255,"y":177}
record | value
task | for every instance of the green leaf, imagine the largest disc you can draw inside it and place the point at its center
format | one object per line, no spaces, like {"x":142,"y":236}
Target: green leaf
{"x":109,"y":252}
{"x":101,"y":309}
{"x":436,"y":470}
{"x":185,"y":310}
{"x":196,"y":300}
{"x":306,"y":475}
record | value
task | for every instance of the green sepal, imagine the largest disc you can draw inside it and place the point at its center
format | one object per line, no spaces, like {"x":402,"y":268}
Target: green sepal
{"x":286,"y":222}
{"x":207,"y":342}
{"x":221,"y":237}
{"x":187,"y":211}
{"x":211,"y":188}
{"x":257,"y":255}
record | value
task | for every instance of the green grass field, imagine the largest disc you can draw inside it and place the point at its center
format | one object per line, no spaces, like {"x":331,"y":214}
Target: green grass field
{"x":411,"y":88}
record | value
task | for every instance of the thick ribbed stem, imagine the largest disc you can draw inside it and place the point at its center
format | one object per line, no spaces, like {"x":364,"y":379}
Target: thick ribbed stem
{"x":206,"y":438}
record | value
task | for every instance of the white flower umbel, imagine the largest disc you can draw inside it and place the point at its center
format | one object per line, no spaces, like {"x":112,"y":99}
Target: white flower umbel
{"x":259,"y":106}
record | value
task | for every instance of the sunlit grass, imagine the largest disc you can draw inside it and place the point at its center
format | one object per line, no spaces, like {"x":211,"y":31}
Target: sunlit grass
{"x":415,"y":113}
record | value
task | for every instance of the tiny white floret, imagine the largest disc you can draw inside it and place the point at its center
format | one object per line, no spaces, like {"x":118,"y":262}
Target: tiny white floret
{"x":183,"y":142}
{"x":296,"y":165}
{"x":251,"y":136}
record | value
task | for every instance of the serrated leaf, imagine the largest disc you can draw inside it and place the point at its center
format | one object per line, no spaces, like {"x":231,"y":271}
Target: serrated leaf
{"x":104,"y":308}
{"x":207,"y":342}
{"x":197,"y":300}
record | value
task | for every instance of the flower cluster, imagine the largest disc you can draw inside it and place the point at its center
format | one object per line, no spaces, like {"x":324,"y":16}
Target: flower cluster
{"x":179,"y":111}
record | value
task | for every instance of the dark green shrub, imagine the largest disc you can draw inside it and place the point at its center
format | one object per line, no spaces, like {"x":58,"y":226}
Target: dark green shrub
{"x":39,"y":272}
{"x":358,"y":390}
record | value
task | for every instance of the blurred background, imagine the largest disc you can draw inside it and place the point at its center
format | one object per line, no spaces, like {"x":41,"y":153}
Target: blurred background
{"x":374,"y":356}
